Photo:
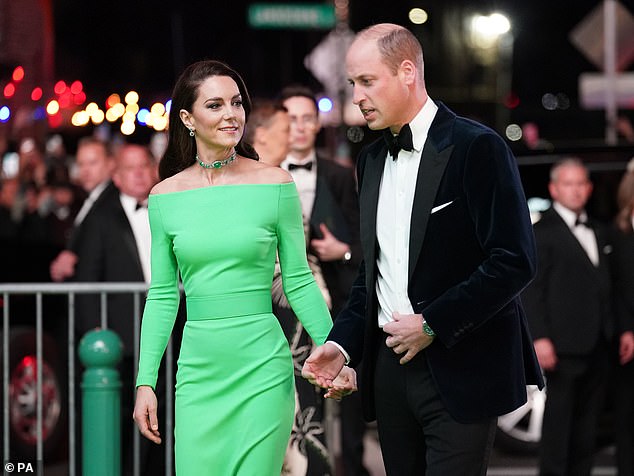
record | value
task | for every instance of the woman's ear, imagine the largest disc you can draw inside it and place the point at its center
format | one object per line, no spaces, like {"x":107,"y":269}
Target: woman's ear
{"x":186,"y":118}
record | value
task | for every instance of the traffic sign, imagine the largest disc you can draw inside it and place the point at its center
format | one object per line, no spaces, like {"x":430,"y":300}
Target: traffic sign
{"x":302,"y":16}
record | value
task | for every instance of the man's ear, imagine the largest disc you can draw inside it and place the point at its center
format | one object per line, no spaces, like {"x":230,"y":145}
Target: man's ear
{"x":407,"y":72}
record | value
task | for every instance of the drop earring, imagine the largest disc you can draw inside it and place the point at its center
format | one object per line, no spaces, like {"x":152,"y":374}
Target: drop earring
{"x":192,"y":133}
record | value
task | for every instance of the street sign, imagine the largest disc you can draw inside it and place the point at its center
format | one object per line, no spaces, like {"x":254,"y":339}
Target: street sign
{"x":588,"y":36}
{"x":593,"y":87}
{"x":302,"y":16}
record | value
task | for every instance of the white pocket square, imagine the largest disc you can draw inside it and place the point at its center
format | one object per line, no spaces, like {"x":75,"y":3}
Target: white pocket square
{"x":440,"y":207}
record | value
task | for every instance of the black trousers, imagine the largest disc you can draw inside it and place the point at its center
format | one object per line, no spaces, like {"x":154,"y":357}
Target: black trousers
{"x":575,"y":397}
{"x":417,"y":434}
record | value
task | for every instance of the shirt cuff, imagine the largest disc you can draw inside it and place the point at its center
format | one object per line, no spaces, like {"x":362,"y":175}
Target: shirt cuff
{"x":343,"y":351}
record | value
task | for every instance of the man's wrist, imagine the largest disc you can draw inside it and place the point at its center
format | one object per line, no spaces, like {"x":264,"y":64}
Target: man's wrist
{"x":428,"y":330}
{"x":341,"y":349}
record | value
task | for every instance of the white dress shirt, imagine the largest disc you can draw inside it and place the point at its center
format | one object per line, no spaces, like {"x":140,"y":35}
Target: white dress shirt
{"x":393,"y":219}
{"x":305,"y":181}
{"x":584,"y":235}
{"x":140,"y":224}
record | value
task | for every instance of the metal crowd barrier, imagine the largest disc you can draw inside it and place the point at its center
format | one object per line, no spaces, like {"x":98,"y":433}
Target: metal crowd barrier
{"x":138,"y":290}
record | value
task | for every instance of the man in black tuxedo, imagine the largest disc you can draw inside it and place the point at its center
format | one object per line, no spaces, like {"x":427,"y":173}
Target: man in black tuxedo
{"x":328,"y":194}
{"x":569,"y":311}
{"x":447,"y":248}
{"x":114,"y":246}
{"x":94,"y":171}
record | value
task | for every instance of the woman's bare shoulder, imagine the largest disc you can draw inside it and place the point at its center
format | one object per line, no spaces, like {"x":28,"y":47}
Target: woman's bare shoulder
{"x":265,"y":173}
{"x":175,"y":183}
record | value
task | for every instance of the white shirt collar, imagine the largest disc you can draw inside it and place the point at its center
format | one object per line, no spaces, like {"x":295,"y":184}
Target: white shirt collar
{"x":568,"y":215}
{"x":290,"y":159}
{"x":421,"y":123}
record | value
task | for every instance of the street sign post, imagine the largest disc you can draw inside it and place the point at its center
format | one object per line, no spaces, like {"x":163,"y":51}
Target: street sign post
{"x":299,"y":16}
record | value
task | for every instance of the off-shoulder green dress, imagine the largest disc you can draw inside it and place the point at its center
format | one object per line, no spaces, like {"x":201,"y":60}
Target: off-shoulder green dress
{"x":234,"y":386}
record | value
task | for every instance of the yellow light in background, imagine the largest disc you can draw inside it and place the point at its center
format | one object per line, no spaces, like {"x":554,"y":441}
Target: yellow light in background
{"x":127,"y":128}
{"x":149,"y":120}
{"x":111,"y":115}
{"x":52,"y":108}
{"x":92,"y":107}
{"x":118,"y":109}
{"x":160,"y":123}
{"x":418,"y":16}
{"x":132,"y":97}
{"x":80,"y":118}
{"x":133,"y":108}
{"x":129,"y":117}
{"x":157,"y":109}
{"x":97,"y":116}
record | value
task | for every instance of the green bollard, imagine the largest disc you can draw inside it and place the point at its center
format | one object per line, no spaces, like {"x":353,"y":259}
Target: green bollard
{"x":100,"y":351}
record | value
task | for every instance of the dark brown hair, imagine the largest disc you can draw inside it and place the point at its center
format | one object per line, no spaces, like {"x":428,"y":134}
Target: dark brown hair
{"x":181,"y":147}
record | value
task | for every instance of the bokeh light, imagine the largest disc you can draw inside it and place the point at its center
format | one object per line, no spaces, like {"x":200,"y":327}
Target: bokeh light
{"x":52,"y":107}
{"x":36,"y":94}
{"x":418,"y":16}
{"x":132,"y":97}
{"x":60,"y":87}
{"x":18,"y":74}
{"x":9,"y":90}
{"x":5,"y":113}
{"x":325,"y":104}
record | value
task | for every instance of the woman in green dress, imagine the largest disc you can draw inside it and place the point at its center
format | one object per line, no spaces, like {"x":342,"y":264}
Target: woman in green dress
{"x":218,"y":217}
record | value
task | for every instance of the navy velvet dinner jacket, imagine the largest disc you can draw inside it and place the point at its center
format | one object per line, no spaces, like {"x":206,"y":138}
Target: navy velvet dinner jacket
{"x":468,"y":263}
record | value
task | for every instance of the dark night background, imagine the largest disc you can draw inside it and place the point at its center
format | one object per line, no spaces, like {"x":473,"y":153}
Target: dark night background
{"x":117,"y":46}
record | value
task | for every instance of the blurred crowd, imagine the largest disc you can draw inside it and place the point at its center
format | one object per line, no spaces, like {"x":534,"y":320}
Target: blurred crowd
{"x":43,"y":186}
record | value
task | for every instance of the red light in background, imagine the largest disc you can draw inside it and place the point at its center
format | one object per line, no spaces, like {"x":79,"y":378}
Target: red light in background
{"x":9,"y":90}
{"x":112,"y":100}
{"x":65,"y":99}
{"x":79,"y":98}
{"x":60,"y":87}
{"x":76,"y":87}
{"x":36,"y":94}
{"x":55,"y":120}
{"x":512,"y":100}
{"x":18,"y":74}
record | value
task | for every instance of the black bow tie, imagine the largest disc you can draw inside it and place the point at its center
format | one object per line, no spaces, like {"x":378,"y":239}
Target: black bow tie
{"x":140,"y":205}
{"x":580,"y":222}
{"x":401,"y":141}
{"x":307,"y":166}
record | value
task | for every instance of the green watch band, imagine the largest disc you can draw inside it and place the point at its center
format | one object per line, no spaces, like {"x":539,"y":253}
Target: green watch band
{"x":428,"y":330}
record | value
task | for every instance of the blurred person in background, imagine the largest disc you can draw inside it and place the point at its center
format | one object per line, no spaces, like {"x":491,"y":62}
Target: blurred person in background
{"x":307,"y":454}
{"x":571,"y":320}
{"x":94,"y":168}
{"x":114,"y":246}
{"x":330,"y":207}
{"x":622,"y":263}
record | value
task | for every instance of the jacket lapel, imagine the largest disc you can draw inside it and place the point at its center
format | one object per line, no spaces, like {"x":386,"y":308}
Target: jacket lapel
{"x":127,"y":236}
{"x":430,"y":173}
{"x":368,"y":202}
{"x":435,"y":156}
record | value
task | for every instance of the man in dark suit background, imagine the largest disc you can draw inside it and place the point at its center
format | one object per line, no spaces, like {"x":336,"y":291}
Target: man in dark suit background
{"x":328,"y":194}
{"x":447,"y":248}
{"x":114,"y":246}
{"x":569,"y":310}
{"x":94,"y":171}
